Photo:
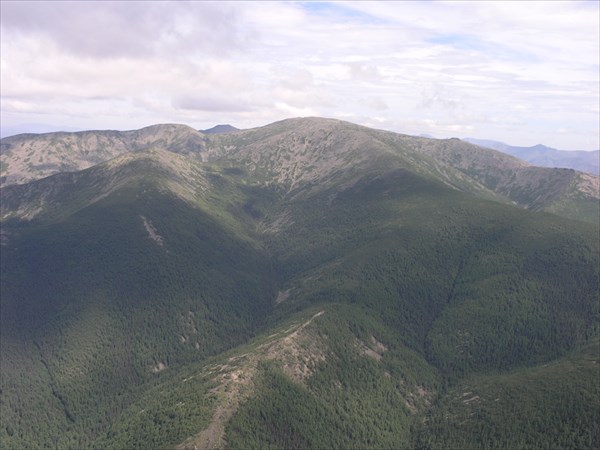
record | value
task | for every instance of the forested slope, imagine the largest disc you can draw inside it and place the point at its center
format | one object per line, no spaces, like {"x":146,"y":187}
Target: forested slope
{"x":313,"y":286}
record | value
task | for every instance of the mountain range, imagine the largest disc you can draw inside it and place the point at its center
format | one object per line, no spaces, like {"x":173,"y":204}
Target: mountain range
{"x":307,"y":284}
{"x":541,"y":155}
{"x":466,"y":167}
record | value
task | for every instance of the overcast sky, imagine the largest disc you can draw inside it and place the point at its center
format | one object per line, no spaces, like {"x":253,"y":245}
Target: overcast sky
{"x":519,"y":72}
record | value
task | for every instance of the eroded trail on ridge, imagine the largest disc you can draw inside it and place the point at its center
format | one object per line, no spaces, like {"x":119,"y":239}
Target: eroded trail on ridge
{"x":298,"y":349}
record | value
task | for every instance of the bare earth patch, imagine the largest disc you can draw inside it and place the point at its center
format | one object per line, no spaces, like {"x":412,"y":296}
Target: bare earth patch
{"x":282,"y":296}
{"x":159,"y":367}
{"x":589,"y":185}
{"x":418,"y":398}
{"x":299,"y":350}
{"x":373,"y":350}
{"x":152,"y":233}
{"x":469,"y":400}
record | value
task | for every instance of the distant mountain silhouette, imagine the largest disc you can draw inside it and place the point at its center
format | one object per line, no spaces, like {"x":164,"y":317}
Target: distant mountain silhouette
{"x":541,"y":155}
{"x":220,"y":129}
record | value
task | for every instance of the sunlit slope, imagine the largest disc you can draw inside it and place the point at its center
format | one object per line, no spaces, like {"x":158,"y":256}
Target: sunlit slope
{"x":565,"y":192}
{"x":28,"y":157}
{"x":313,"y":151}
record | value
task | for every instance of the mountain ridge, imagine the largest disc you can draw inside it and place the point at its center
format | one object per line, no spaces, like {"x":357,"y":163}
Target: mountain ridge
{"x":306,"y":151}
{"x":29,"y":157}
{"x":27,"y":201}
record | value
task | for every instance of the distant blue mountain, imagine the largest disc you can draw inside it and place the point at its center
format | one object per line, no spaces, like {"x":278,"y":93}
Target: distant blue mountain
{"x":540,"y":155}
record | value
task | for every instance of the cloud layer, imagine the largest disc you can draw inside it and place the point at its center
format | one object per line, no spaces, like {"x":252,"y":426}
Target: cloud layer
{"x":520,"y":72}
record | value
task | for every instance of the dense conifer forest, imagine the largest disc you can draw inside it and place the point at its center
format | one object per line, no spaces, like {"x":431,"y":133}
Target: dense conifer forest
{"x":309,"y":286}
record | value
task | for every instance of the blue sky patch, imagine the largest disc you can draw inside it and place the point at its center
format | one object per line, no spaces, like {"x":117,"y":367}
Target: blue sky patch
{"x":339,"y":11}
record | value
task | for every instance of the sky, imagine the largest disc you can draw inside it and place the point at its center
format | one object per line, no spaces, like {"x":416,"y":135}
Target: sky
{"x":519,"y":72}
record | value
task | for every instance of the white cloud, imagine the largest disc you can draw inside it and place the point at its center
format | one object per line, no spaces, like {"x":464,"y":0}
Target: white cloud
{"x":211,"y":103}
{"x":136,"y":30}
{"x":513,"y":71}
{"x":376,"y":103}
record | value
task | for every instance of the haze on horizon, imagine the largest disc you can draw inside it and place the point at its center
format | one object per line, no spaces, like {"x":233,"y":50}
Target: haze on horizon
{"x":519,"y":72}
